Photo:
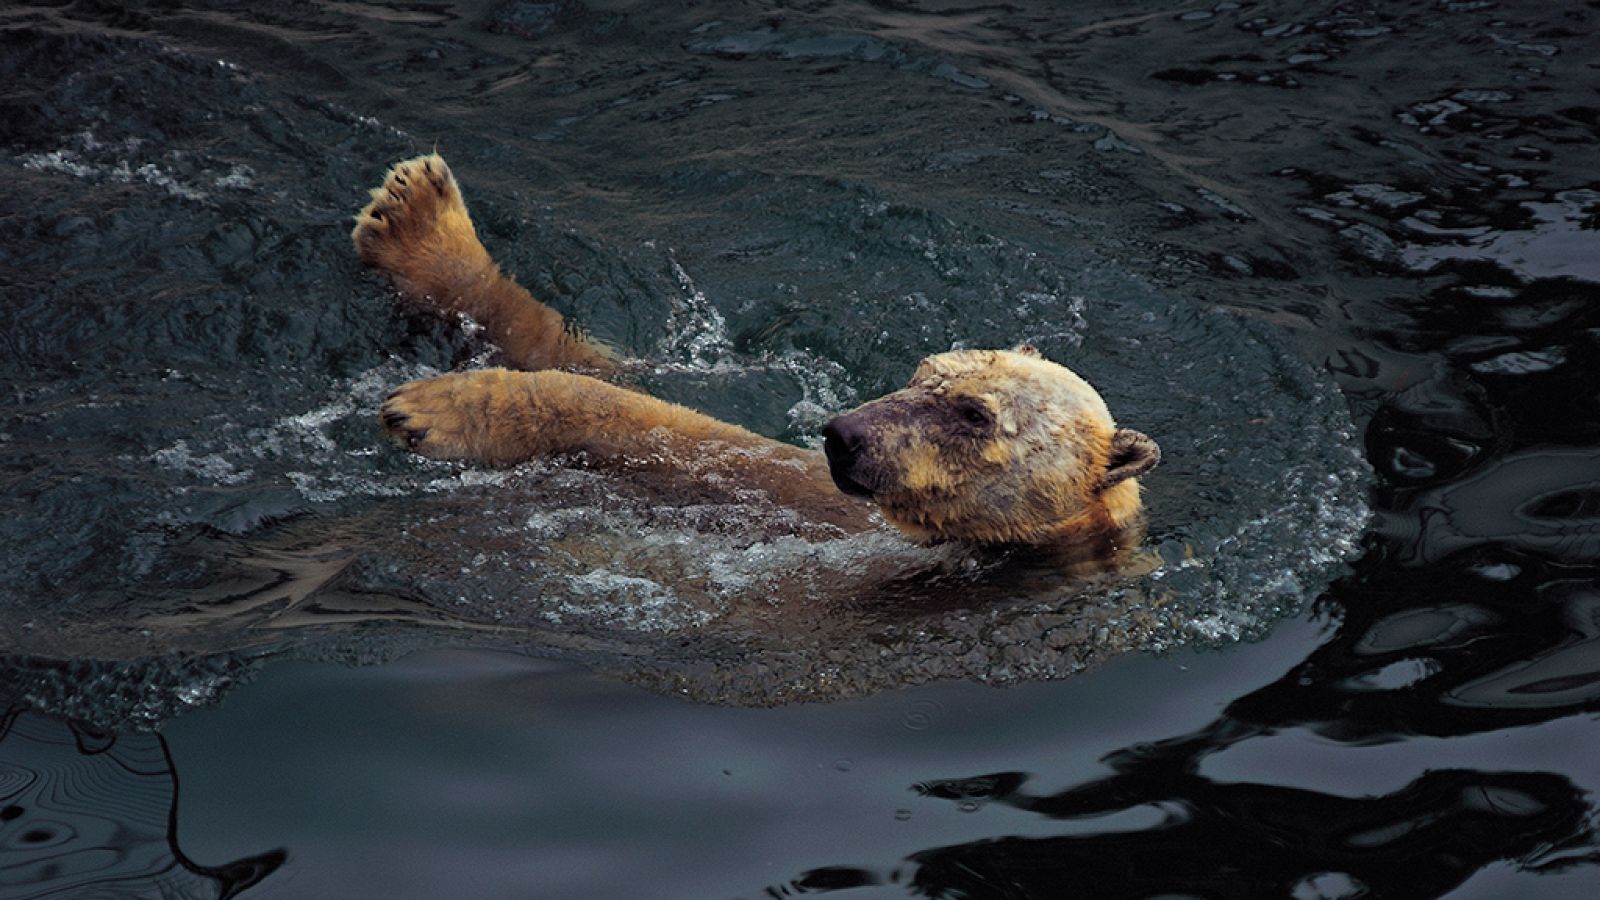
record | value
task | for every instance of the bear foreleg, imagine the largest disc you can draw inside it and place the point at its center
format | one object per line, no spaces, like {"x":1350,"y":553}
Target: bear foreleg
{"x":417,"y":231}
{"x":502,"y":417}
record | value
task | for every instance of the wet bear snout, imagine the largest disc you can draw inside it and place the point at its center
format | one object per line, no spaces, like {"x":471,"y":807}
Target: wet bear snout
{"x":842,"y":441}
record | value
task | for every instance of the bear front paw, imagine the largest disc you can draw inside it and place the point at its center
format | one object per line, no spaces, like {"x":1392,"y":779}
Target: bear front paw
{"x":427,"y":417}
{"x":417,"y":215}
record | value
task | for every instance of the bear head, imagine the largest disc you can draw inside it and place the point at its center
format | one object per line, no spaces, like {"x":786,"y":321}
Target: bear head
{"x":995,"y":447}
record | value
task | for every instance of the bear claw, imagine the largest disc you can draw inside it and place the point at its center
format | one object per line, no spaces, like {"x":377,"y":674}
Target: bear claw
{"x":405,"y":211}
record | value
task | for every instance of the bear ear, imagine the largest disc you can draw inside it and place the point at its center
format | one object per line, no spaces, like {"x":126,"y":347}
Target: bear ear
{"x":1133,"y":453}
{"x":1028,"y":350}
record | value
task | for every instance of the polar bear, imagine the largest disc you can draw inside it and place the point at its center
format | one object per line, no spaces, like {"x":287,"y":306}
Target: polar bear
{"x":997,"y":449}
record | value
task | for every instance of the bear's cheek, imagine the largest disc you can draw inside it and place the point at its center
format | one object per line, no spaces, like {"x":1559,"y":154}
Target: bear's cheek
{"x":924,"y":471}
{"x":998,"y":453}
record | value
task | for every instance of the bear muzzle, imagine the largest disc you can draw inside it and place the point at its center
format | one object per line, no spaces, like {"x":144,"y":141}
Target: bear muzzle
{"x":842,"y":441}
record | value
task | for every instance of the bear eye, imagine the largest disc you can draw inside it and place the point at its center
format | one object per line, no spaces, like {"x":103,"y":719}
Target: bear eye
{"x":973,"y":413}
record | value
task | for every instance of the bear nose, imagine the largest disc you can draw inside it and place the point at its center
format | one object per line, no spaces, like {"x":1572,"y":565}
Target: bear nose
{"x":843,"y":442}
{"x":842,"y":439}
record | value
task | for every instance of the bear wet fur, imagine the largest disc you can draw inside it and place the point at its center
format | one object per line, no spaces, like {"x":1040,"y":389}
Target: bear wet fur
{"x":992,"y":448}
{"x":417,"y":231}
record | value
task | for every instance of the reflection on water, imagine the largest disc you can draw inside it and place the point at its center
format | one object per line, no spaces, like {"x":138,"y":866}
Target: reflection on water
{"x":85,"y":813}
{"x":1411,"y":657}
{"x":1227,"y":840}
{"x":1482,"y":644}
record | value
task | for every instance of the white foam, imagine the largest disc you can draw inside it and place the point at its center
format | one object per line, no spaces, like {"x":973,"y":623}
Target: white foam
{"x":57,"y":161}
{"x":696,"y":331}
{"x":628,"y":601}
{"x":325,"y":487}
{"x":239,"y":178}
{"x":80,"y":161}
{"x":824,"y":391}
{"x":211,"y":467}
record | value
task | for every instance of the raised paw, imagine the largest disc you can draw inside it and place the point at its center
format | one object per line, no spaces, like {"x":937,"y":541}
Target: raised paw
{"x":416,"y":220}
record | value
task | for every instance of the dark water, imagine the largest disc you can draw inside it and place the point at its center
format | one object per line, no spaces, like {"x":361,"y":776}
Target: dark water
{"x":1284,"y":238}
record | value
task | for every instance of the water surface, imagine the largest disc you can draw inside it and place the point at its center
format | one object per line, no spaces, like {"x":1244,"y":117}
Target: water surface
{"x":1306,"y":248}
